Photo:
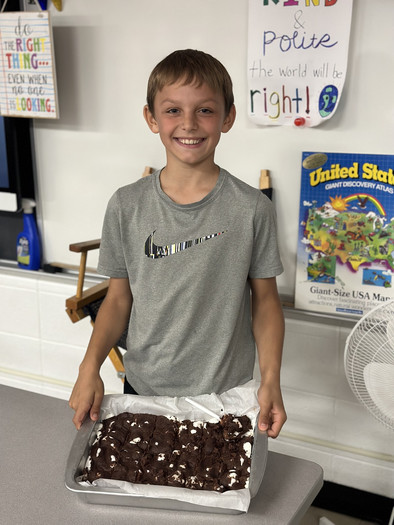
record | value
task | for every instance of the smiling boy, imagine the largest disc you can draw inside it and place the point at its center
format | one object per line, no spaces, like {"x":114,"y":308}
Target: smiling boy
{"x":185,"y":249}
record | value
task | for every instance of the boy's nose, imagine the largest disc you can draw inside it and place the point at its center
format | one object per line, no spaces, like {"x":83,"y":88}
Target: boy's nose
{"x":189,"y":121}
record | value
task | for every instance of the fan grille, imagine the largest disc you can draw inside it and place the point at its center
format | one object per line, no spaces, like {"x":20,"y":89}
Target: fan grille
{"x":369,"y":362}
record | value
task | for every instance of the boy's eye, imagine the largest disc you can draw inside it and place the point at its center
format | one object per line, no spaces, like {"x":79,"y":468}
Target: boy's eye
{"x":205,"y":110}
{"x":172,"y":111}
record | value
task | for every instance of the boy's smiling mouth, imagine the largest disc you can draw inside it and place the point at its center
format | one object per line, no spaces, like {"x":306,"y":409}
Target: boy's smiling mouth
{"x":189,"y":142}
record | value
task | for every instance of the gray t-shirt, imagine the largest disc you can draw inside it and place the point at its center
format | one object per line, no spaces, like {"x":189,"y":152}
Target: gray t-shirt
{"x":188,"y":267}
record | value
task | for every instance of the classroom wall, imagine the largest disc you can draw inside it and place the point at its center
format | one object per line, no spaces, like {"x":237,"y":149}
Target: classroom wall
{"x":104,"y":54}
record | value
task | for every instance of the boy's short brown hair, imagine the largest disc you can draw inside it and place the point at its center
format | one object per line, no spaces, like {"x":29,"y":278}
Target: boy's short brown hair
{"x":192,"y":66}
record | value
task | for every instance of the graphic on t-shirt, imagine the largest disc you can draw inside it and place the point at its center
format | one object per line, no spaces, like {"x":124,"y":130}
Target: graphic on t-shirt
{"x":153,"y":251}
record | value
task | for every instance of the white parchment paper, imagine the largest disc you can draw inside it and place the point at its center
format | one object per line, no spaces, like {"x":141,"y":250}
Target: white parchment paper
{"x":238,"y":401}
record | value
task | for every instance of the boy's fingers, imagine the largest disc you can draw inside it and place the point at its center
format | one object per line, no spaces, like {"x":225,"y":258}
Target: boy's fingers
{"x":276,"y":426}
{"x":79,"y":418}
{"x":264,"y":421}
{"x":81,"y":409}
{"x":95,"y":410}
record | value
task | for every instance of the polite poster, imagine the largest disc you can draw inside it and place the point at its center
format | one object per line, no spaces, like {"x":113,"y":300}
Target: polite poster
{"x":345,"y":253}
{"x":27,"y":72}
{"x":297,"y":60}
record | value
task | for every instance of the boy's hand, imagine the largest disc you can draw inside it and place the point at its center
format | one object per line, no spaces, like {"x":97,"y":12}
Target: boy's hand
{"x":86,"y":397}
{"x":272,"y":412}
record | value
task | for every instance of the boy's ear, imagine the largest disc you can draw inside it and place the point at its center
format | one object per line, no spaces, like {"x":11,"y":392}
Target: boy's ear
{"x":150,"y":120}
{"x":229,"y":120}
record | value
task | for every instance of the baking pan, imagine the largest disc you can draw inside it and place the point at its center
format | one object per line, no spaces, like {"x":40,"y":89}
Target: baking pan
{"x":117,"y":496}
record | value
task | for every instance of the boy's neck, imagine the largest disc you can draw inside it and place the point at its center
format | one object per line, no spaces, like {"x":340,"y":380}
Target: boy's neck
{"x":186,"y":186}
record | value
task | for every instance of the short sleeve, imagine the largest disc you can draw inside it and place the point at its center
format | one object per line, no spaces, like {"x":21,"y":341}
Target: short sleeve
{"x":266,"y":260}
{"x":111,"y":258}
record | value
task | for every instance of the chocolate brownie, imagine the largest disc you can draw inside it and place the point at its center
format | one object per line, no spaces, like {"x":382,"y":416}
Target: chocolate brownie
{"x":160,"y":450}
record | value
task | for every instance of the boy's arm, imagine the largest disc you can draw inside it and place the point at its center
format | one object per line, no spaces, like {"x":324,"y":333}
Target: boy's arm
{"x":268,"y":331}
{"x":111,"y":320}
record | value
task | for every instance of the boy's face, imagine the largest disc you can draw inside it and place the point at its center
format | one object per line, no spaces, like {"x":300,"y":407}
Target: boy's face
{"x":190,"y":120}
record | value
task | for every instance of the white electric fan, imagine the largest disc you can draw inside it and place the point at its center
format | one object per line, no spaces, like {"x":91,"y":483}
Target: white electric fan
{"x":369,"y":362}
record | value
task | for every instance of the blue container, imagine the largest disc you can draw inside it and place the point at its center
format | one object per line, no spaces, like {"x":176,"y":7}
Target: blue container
{"x":28,"y":248}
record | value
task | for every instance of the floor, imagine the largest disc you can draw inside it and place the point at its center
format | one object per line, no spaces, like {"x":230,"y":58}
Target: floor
{"x":316,"y":516}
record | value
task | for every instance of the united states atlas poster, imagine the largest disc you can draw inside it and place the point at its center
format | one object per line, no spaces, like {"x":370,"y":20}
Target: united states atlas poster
{"x":345,"y":252}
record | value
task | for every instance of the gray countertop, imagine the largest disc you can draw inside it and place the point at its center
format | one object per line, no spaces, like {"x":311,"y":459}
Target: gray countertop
{"x":36,"y":434}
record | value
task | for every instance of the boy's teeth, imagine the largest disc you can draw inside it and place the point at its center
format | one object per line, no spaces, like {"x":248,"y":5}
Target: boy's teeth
{"x":190,"y":141}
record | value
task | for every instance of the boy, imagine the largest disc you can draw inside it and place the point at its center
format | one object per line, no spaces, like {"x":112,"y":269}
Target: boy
{"x":183,"y":248}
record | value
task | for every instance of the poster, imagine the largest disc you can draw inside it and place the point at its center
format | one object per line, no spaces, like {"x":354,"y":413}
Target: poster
{"x":345,"y":252}
{"x":27,"y":71}
{"x":297,"y":60}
